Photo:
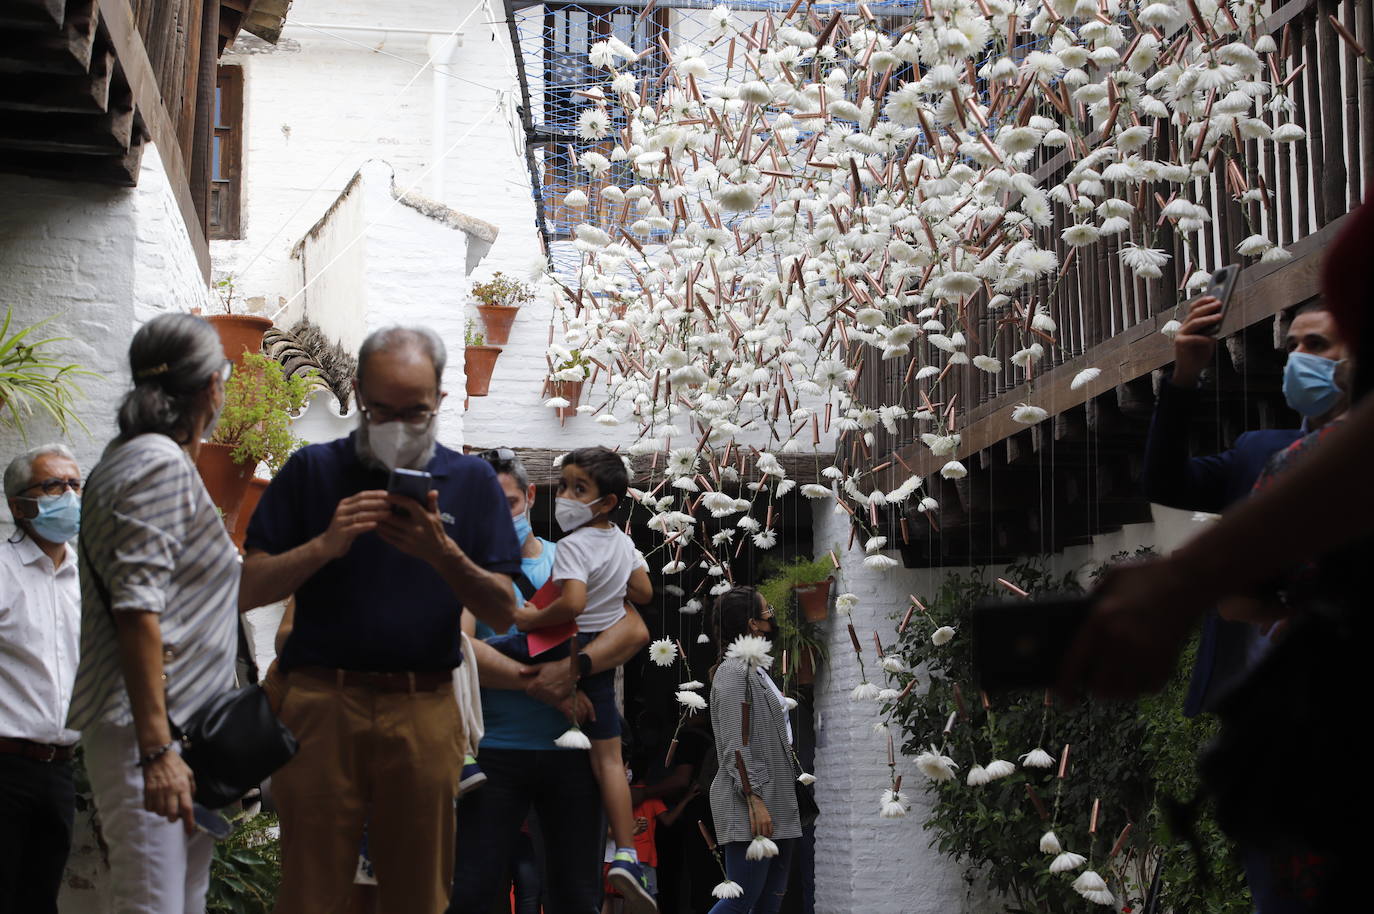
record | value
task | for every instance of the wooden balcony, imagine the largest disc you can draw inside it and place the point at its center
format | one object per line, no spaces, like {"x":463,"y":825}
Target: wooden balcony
{"x":1077,"y":473}
{"x":85,"y":84}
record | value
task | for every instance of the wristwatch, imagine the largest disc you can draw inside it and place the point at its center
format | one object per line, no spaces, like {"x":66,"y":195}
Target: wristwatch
{"x":584,"y":666}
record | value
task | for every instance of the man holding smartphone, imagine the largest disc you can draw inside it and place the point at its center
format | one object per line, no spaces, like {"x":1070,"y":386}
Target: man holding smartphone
{"x":380,"y":581}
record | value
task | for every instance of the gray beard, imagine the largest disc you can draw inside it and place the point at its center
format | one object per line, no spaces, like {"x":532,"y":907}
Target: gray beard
{"x":362,"y":444}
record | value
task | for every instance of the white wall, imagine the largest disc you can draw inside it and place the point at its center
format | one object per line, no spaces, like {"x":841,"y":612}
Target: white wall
{"x":886,"y":866}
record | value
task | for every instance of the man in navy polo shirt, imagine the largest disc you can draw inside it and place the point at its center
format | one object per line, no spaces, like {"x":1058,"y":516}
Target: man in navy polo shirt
{"x":380,"y":583}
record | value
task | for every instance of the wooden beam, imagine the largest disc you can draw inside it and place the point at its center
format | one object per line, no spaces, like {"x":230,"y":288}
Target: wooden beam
{"x":87,"y":94}
{"x":44,"y":15}
{"x":1265,"y":290}
{"x":109,"y":133}
{"x":802,"y":468}
{"x":118,"y":19}
{"x":68,"y":51}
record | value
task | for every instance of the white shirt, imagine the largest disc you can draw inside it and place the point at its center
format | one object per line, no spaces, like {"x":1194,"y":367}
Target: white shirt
{"x":40,"y":633}
{"x":786,"y":715}
{"x":602,"y":558}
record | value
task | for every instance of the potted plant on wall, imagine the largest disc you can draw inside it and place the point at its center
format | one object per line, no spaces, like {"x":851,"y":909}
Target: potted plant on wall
{"x":479,"y":360}
{"x":808,"y":580}
{"x":238,"y":333}
{"x":498,"y":300}
{"x":254,"y":427}
{"x":803,"y":640}
{"x":564,"y":386}
{"x":32,"y":381}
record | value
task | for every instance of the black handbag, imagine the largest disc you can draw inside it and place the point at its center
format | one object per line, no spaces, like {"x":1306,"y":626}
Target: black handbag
{"x":807,"y":809}
{"x":232,"y":743}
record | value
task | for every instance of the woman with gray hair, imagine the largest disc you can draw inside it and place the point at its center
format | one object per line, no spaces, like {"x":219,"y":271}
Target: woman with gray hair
{"x":160,"y":582}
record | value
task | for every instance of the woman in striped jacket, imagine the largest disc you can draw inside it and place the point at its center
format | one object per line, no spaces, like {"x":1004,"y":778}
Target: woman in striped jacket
{"x":753,"y":795}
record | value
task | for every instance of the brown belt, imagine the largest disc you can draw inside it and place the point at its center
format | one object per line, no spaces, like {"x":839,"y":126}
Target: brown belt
{"x":377,"y":682}
{"x":39,"y":752}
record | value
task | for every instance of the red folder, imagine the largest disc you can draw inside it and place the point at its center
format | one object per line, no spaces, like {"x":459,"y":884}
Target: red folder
{"x":543,"y":639}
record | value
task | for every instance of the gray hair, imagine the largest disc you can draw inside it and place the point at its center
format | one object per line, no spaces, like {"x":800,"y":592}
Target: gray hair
{"x":19,"y":474}
{"x":515,"y":469}
{"x":415,"y":339}
{"x":172,"y":358}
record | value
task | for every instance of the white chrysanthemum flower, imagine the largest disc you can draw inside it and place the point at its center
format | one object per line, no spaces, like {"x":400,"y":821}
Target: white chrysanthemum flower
{"x":977,"y":776}
{"x":1028,"y":415}
{"x":761,"y":848}
{"x":1084,"y":377}
{"x":703,"y":638}
{"x":1080,"y":234}
{"x":691,"y":685}
{"x":1288,"y":133}
{"x":864,"y":691}
{"x":1049,"y":843}
{"x":663,"y":652}
{"x":942,"y":636}
{"x":893,"y":664}
{"x":575,"y":199}
{"x":691,"y":700}
{"x":806,"y":780}
{"x":690,"y":608}
{"x":1037,"y":758}
{"x":893,"y":804}
{"x":1043,"y":322}
{"x":1171,"y":328}
{"x":573,"y":738}
{"x":812,"y":490}
{"x":1275,"y":255}
{"x":789,"y":703}
{"x":1254,"y":246}
{"x":845,"y":603}
{"x":936,"y":766}
{"x":557,"y":403}
{"x":1092,"y":887}
{"x":880,"y":562}
{"x":953,"y":470}
{"x":887,"y":695}
{"x":987,"y":363}
{"x":752,"y":649}
{"x":728,"y":889}
{"x":1067,"y":862}
{"x":1000,"y":768}
{"x":593,"y":124}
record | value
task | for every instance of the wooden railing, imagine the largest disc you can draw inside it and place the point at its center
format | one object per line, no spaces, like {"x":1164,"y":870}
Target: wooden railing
{"x":1096,"y":301}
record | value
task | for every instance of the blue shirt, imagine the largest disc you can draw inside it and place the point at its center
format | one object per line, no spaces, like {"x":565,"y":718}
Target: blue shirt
{"x":513,"y":720}
{"x":377,"y":608}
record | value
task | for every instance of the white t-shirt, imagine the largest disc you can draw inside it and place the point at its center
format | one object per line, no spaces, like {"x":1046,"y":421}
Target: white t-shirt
{"x":603,"y":560}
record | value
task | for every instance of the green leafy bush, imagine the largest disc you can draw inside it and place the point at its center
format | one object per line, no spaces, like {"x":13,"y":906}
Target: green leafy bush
{"x":245,"y":870}
{"x":1127,"y":757}
{"x":33,"y":381}
{"x":502,"y":291}
{"x":259,"y":401}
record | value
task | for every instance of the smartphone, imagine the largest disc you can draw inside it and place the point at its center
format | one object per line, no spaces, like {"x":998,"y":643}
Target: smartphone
{"x":1022,"y":644}
{"x":211,"y":822}
{"x":1222,"y":285}
{"x":412,"y":484}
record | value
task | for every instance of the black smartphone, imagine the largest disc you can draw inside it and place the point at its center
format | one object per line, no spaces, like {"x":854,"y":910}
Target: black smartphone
{"x":211,"y":822}
{"x":1022,"y":644}
{"x":1222,"y":285}
{"x":412,"y":484}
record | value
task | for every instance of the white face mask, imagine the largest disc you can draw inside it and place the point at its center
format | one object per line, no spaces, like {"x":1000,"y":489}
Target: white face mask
{"x":571,"y":513}
{"x":397,"y":444}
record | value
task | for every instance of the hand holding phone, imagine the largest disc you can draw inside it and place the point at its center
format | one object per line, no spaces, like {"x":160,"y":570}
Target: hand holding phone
{"x":1221,"y":287}
{"x":413,"y":484}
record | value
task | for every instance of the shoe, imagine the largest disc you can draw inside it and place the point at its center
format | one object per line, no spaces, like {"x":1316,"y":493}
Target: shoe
{"x":629,"y":880}
{"x":473,"y":776}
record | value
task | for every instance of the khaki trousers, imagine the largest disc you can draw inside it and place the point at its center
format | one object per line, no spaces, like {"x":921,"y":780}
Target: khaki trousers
{"x":390,"y":760}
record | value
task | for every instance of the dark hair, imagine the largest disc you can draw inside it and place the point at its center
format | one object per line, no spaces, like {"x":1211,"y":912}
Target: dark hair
{"x":734,"y":609}
{"x":1318,"y":304}
{"x":505,"y":460}
{"x":604,"y":466}
{"x":172,"y":358}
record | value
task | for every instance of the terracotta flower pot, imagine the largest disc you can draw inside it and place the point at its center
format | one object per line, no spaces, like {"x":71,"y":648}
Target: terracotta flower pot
{"x":814,"y":600}
{"x":226,"y":480}
{"x":247,"y":506}
{"x":240,"y":333}
{"x":570,"y":391}
{"x":479,"y":361}
{"x":496,"y":321}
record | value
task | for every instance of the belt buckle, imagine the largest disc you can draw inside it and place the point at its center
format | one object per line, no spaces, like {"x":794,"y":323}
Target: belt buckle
{"x":52,"y":753}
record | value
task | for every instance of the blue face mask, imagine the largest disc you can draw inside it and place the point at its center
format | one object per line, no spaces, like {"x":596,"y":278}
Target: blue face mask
{"x":523,"y":531}
{"x":59,"y":517}
{"x":1309,"y":384}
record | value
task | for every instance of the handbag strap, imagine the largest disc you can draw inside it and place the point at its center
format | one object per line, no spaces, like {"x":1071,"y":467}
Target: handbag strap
{"x":103,"y":592}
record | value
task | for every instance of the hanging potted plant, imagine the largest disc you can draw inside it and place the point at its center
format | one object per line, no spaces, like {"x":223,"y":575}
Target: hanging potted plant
{"x":479,"y":360}
{"x":32,"y":381}
{"x":808,"y":580}
{"x":238,"y":333}
{"x":803,"y":640}
{"x":254,"y":427}
{"x":498,"y":300}
{"x":564,"y":386}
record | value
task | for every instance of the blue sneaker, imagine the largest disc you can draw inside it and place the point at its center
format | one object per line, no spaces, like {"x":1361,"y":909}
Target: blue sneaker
{"x":473,"y":776}
{"x":629,"y":880}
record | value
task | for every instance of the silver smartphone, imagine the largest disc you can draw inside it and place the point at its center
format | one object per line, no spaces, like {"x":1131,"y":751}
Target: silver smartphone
{"x":1222,"y":285}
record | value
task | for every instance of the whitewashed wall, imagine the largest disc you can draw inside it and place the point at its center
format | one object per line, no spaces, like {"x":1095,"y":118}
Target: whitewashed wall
{"x":886,"y":866}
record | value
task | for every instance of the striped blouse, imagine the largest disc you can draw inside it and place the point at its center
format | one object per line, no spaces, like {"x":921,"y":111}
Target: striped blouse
{"x":156,"y":540}
{"x":767,"y":758}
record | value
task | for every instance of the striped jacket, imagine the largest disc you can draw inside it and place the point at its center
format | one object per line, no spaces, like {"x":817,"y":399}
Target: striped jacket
{"x":767,"y":758}
{"x":154,"y":537}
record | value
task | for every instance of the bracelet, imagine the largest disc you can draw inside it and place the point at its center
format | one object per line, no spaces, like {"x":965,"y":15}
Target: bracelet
{"x":149,"y":757}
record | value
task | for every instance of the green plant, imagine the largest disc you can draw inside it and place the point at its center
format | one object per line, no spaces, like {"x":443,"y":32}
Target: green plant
{"x":246,"y":867}
{"x":1126,"y":757}
{"x":472,"y":336}
{"x":33,"y":381}
{"x":795,"y":635}
{"x":259,"y":401}
{"x":502,"y":291}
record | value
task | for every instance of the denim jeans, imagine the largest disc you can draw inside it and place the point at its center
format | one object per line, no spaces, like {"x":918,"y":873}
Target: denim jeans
{"x":764,"y":881}
{"x":560,"y":785}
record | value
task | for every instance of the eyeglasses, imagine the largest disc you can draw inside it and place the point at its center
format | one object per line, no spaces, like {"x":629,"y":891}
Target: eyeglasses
{"x":498,"y":457}
{"x":56,"y":485}
{"x":417,"y":418}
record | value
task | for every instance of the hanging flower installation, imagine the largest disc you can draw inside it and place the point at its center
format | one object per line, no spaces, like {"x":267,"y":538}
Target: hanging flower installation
{"x":806,"y":196}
